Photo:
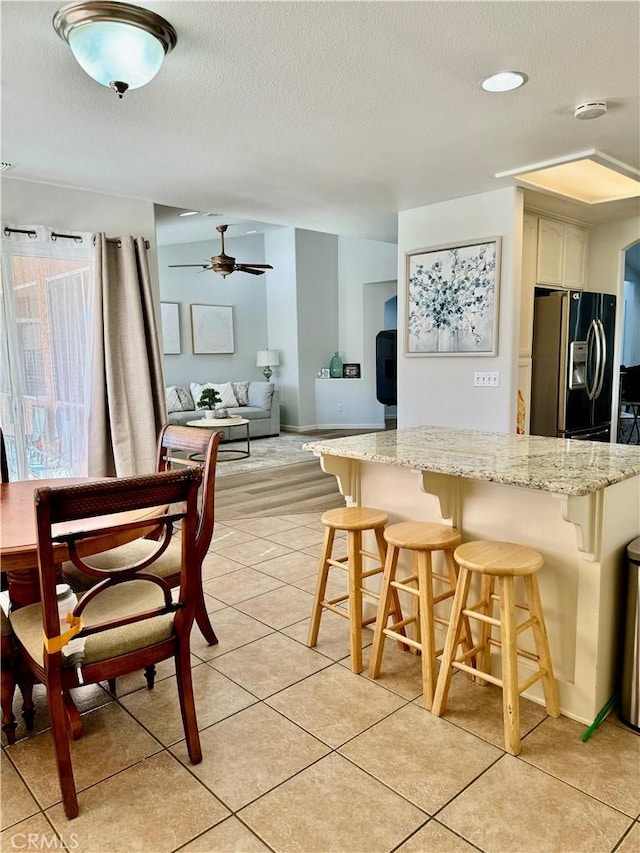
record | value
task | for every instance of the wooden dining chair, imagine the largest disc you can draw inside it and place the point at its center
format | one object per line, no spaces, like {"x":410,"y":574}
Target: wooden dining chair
{"x":129,"y":619}
{"x":189,"y":441}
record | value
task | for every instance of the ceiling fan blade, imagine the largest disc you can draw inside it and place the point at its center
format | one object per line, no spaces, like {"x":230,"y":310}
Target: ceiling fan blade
{"x":243,"y":268}
{"x":257,"y":266}
{"x":202,"y":266}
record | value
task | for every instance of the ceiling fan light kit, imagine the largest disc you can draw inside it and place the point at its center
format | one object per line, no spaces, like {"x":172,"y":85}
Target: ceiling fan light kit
{"x":121,"y":46}
{"x":224,"y":265}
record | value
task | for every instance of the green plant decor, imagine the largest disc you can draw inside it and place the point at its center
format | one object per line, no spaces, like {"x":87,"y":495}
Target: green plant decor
{"x":209,"y":399}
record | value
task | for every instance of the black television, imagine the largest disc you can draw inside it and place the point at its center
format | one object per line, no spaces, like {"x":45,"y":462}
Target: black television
{"x":386,"y":367}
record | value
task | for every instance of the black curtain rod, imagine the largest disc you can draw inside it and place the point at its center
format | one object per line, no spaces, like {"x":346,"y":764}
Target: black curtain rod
{"x":118,"y":242}
{"x":8,"y":231}
{"x":55,"y":235}
{"x":75,"y":237}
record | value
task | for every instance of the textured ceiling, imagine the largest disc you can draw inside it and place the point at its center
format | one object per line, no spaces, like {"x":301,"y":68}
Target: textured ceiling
{"x":324,"y":115}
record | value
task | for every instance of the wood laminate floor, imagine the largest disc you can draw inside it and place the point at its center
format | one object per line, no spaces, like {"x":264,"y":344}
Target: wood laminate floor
{"x":297,"y":488}
{"x":303,"y":487}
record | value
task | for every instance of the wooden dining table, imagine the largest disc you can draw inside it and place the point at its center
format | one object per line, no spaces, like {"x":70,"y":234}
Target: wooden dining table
{"x":18,"y":545}
{"x":19,"y":554}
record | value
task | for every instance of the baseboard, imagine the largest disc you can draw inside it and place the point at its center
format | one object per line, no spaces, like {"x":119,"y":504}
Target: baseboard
{"x":316,"y":427}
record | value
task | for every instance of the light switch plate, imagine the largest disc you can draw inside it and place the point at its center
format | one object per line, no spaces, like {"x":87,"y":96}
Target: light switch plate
{"x":486,"y":378}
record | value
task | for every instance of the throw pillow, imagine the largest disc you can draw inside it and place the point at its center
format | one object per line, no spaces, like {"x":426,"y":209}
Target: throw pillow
{"x":241,"y":390}
{"x":179,"y":399}
{"x":225,"y":390}
{"x":260,"y":394}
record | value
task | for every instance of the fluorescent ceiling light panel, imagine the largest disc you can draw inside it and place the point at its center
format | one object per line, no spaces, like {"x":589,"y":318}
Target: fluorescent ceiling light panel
{"x":590,"y":177}
{"x":188,"y":213}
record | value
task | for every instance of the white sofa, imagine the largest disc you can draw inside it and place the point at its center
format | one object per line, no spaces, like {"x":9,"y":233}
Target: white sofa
{"x":258,"y":402}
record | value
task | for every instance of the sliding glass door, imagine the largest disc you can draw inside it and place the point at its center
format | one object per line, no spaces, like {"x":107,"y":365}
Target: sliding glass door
{"x":45,"y":343}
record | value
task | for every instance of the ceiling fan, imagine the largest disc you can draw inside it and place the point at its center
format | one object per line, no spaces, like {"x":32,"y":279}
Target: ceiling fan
{"x":225,"y":264}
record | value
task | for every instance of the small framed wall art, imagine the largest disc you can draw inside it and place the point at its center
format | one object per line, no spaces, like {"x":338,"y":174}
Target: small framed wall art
{"x":212,"y":328}
{"x":351,"y":371}
{"x":452,"y":299}
{"x":324,"y":373}
{"x":170,"y":316}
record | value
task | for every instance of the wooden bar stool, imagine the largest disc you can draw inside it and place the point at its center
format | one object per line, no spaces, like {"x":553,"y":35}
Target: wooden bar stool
{"x":354,"y":520}
{"x":422,"y":539}
{"x":503,"y":561}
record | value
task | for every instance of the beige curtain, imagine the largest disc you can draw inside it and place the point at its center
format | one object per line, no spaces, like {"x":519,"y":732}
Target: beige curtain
{"x":127,"y":391}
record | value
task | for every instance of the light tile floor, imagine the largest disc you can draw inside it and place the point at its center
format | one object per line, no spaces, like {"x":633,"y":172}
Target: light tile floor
{"x":302,"y":755}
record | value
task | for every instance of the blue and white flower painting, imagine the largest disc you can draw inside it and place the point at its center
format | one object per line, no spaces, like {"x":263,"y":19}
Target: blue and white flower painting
{"x":452,"y":299}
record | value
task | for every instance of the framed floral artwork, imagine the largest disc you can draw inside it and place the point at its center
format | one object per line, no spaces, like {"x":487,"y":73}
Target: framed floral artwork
{"x":452,"y":299}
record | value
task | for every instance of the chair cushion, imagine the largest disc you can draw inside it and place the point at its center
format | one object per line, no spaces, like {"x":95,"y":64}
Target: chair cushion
{"x":122,"y":600}
{"x":133,"y":552}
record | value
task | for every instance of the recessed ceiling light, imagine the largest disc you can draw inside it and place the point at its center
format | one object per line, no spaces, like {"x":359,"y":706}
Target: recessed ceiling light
{"x":189,"y":213}
{"x":590,"y":177}
{"x":504,"y":81}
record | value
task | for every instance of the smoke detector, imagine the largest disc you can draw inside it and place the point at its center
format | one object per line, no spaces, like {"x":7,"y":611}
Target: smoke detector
{"x":590,"y":109}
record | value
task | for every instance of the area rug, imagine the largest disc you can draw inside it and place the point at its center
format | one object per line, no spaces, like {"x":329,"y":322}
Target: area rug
{"x":283,"y":449}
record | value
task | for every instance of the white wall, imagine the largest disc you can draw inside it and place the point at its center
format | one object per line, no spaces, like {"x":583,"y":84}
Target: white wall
{"x":245,"y":293}
{"x":366,"y":278}
{"x":67,"y":210}
{"x":607,"y":244}
{"x":317,"y":286}
{"x":302,"y":315}
{"x":282,"y":311}
{"x":360,"y":262}
{"x":630,"y":354}
{"x":439,"y":390}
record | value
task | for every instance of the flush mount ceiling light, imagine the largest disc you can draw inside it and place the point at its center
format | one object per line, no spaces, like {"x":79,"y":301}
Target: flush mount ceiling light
{"x":504,"y":81}
{"x":119,"y":45}
{"x":590,"y":177}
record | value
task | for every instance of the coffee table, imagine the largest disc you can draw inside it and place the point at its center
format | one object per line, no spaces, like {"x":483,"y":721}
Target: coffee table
{"x":225,"y":424}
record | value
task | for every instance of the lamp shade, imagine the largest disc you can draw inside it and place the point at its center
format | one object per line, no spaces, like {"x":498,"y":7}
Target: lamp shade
{"x":110,"y":51}
{"x":268,"y":358}
{"x":119,"y":45}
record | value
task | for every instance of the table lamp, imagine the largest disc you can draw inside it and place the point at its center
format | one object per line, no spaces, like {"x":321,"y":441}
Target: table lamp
{"x":268,"y":358}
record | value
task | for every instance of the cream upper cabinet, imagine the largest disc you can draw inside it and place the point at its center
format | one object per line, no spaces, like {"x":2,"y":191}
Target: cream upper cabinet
{"x":529,"y":243}
{"x":562,"y":254}
{"x":575,"y":256}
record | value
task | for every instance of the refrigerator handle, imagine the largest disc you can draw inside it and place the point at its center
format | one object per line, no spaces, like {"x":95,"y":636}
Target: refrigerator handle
{"x":593,"y":337}
{"x":603,"y":357}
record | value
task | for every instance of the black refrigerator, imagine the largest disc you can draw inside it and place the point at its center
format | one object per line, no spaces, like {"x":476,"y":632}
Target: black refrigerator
{"x":572,"y":371}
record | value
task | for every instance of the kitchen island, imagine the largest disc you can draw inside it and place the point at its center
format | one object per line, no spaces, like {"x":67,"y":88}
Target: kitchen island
{"x":576,"y":502}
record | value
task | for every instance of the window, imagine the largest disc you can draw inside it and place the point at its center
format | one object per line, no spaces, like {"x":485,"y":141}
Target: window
{"x":45,"y":309}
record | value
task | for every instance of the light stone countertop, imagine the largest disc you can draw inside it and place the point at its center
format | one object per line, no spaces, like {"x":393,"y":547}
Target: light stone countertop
{"x":568,"y":467}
